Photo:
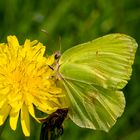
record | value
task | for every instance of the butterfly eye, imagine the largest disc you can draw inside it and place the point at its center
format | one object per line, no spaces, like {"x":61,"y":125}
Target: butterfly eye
{"x":57,"y":55}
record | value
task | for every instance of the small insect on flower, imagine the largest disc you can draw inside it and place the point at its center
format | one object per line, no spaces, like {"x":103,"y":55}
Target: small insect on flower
{"x":92,"y":76}
{"x":26,"y":82}
{"x":52,"y":126}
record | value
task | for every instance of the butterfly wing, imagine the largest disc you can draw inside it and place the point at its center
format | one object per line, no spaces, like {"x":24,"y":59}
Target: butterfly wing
{"x":92,"y":106}
{"x":93,"y":74}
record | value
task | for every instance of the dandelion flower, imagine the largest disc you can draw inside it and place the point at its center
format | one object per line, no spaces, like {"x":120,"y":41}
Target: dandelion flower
{"x":26,"y":82}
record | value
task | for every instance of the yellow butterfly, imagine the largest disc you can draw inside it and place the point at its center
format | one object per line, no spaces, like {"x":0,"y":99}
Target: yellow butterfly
{"x":93,"y":75}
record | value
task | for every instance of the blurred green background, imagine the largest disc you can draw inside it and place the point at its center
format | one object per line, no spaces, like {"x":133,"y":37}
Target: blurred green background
{"x":70,"y":22}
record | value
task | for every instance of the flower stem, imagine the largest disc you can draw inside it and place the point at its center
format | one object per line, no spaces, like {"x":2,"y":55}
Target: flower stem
{"x":2,"y":128}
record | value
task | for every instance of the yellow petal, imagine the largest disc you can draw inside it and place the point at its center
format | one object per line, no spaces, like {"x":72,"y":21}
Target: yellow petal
{"x":44,"y":107}
{"x":12,"y":40}
{"x":4,"y":112}
{"x":25,"y":120}
{"x":4,"y":90}
{"x":55,"y":90}
{"x":2,"y":101}
{"x":38,"y":51}
{"x":27,"y":44}
{"x":13,"y":119}
{"x":34,"y":42}
{"x":50,"y":60}
{"x":32,"y":113}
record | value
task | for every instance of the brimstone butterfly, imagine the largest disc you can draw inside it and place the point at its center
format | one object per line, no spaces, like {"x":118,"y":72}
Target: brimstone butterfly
{"x":93,"y":75}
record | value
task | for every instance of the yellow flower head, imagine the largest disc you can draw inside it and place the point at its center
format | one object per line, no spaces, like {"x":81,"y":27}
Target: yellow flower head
{"x":26,"y":81}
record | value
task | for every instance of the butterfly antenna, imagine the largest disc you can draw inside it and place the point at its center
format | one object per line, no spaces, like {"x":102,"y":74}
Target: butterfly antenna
{"x":48,"y":36}
{"x":60,"y":46}
{"x":58,"y":53}
{"x":45,"y":31}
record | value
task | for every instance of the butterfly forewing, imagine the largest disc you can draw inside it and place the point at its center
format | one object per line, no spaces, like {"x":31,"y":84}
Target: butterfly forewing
{"x":105,"y":61}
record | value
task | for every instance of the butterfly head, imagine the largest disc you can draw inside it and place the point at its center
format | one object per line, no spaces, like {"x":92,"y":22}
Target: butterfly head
{"x":57,"y":55}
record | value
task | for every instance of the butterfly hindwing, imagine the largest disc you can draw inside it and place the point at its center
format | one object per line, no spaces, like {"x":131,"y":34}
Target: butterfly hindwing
{"x":92,"y":106}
